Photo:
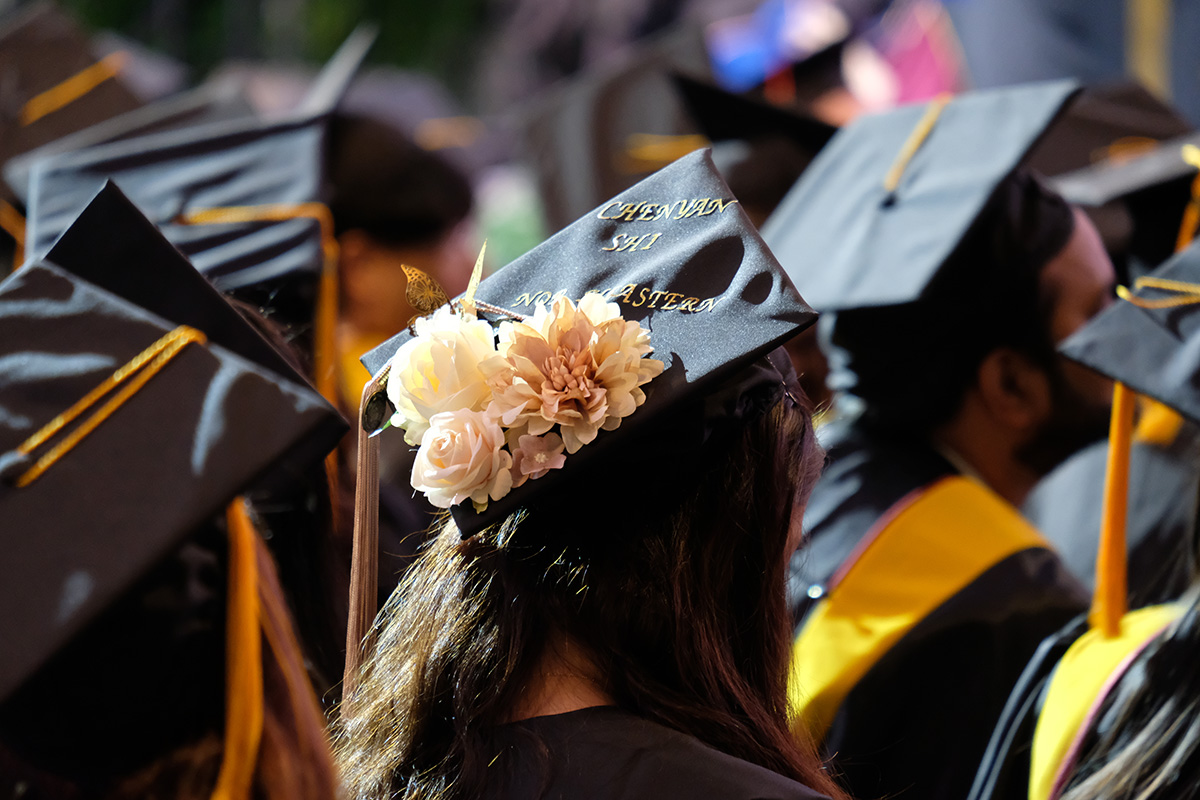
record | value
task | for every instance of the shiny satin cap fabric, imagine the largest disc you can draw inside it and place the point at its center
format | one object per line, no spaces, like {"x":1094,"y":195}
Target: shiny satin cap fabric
{"x":41,"y":48}
{"x":211,"y":424}
{"x":171,"y":174}
{"x":200,"y":106}
{"x":678,"y":255}
{"x":231,"y":164}
{"x":1154,"y":351}
{"x":849,"y":239}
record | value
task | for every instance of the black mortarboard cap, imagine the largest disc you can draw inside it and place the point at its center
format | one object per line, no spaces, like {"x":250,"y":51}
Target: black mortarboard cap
{"x":206,"y":104}
{"x":1152,"y":187}
{"x":1154,"y":351}
{"x":42,"y":50}
{"x":581,"y":136}
{"x":679,"y":256}
{"x":852,"y":240}
{"x":217,"y":166}
{"x":172,"y":174}
{"x":723,"y":116}
{"x":1103,"y":122}
{"x":208,"y":426}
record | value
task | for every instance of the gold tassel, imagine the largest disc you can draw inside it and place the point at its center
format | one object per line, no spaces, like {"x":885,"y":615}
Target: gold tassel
{"x":73,"y":87}
{"x":364,"y":560}
{"x":243,"y":662}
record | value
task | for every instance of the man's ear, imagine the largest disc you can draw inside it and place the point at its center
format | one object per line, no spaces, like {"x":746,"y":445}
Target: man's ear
{"x":1014,"y":389}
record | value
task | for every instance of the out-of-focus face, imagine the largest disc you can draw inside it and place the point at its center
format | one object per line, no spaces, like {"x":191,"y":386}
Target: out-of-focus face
{"x":1080,"y":280}
{"x":1079,"y":284}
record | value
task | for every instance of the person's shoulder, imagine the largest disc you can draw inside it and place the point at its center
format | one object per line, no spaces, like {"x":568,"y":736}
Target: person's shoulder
{"x":616,"y":754}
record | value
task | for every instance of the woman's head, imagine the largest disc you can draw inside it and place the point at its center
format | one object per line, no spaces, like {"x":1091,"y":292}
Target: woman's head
{"x":670,"y":577}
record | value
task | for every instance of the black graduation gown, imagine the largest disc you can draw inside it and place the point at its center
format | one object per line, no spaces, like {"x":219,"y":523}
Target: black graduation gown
{"x":917,"y":723}
{"x":605,"y":753}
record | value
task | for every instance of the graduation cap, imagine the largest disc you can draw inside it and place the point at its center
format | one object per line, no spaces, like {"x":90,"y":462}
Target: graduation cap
{"x":761,"y":149}
{"x":1149,"y":343}
{"x":125,"y":427}
{"x":206,"y":104}
{"x":674,"y":254}
{"x":1105,"y":123}
{"x":239,"y":198}
{"x":892,"y":196}
{"x":52,"y":83}
{"x":1154,"y":188}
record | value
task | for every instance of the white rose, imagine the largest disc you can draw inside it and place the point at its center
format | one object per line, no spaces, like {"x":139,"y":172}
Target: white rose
{"x":462,"y":456}
{"x":438,"y":371}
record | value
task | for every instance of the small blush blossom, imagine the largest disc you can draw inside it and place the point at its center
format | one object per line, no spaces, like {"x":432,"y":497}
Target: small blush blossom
{"x":438,"y":370}
{"x":462,"y":456}
{"x":537,"y":455}
{"x":580,"y":368}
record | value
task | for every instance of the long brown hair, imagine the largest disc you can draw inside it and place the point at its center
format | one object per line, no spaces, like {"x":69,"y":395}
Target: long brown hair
{"x":673,"y":581}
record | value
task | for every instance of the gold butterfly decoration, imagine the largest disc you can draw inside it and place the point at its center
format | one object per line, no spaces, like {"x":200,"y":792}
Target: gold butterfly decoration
{"x":423,"y":293}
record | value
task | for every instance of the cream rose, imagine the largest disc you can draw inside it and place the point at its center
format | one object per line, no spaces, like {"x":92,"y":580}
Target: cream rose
{"x":462,"y":456}
{"x":438,"y":371}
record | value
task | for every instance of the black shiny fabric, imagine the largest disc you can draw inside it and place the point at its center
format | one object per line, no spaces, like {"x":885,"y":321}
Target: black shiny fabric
{"x":208,"y":425}
{"x":39,"y":49}
{"x":849,"y":243}
{"x":1154,"y":351}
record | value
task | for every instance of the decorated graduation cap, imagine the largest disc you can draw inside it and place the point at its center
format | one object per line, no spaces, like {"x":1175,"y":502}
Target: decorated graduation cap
{"x":649,"y":313}
{"x":125,"y":428}
{"x":761,"y":149}
{"x":893,"y":196}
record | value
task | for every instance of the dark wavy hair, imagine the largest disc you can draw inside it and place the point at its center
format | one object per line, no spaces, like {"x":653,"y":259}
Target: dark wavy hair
{"x":1145,"y":744}
{"x":676,"y":592}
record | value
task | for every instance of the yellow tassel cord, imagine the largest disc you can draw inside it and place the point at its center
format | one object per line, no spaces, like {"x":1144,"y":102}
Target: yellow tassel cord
{"x":134,"y":375}
{"x":72,"y":88}
{"x":364,"y":559}
{"x":12,"y":223}
{"x":325,"y":376}
{"x":1108,"y":604}
{"x":243,"y":662}
{"x":915,"y":139}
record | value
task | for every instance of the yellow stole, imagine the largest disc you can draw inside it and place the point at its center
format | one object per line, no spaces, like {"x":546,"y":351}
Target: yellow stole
{"x":927,"y":548}
{"x":1080,"y":681}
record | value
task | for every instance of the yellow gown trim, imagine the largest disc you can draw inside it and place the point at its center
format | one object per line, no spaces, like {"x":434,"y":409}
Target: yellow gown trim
{"x":1081,"y":676}
{"x":928,"y":547}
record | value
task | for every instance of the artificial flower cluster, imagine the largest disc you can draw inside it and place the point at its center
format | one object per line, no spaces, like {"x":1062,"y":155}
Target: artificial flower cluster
{"x":490,"y":413}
